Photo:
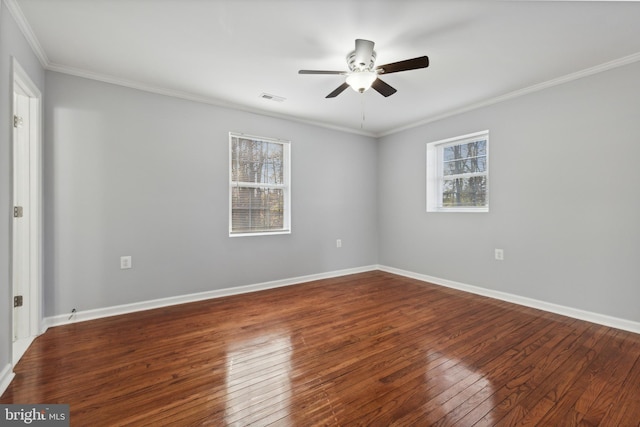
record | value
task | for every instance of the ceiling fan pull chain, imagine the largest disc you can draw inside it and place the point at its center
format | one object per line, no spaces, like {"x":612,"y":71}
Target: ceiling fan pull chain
{"x":362,"y":104}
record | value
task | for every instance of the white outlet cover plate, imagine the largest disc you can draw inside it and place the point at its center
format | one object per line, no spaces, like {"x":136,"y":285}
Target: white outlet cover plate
{"x":125,"y":262}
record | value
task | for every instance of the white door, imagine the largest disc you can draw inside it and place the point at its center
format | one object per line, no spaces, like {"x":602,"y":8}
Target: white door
{"x":21,"y":215}
{"x":26,"y":236}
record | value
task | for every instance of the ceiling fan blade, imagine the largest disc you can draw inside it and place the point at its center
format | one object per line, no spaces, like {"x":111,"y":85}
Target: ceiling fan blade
{"x":321,"y":72}
{"x":364,"y":50}
{"x":383,"y":88}
{"x":338,"y":91}
{"x":406,"y":65}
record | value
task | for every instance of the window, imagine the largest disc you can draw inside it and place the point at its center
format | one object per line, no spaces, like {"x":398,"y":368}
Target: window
{"x":260,"y":186}
{"x":458,"y":174}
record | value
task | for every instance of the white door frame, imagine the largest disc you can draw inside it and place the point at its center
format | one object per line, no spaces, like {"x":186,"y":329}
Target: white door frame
{"x":21,"y":83}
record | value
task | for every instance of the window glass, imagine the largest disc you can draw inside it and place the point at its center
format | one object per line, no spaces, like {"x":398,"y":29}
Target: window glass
{"x":259,"y":186}
{"x":458,"y":174}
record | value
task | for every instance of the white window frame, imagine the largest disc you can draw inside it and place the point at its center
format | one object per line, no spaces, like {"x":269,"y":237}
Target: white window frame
{"x":435,"y":173}
{"x":285,"y":186}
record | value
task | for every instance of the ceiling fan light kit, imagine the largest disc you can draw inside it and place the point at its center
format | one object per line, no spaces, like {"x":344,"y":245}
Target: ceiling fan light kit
{"x":361,"y":80}
{"x":363,"y":73}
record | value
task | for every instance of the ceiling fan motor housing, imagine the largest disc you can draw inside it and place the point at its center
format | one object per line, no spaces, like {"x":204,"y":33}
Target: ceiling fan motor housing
{"x":356,"y":64}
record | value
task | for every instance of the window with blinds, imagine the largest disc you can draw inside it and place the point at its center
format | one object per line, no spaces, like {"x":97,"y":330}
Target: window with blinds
{"x":260,"y":182}
{"x":458,"y":174}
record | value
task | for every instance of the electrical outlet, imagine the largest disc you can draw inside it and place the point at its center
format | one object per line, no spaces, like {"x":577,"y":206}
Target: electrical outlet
{"x":125,"y":262}
{"x":499,"y":254}
{"x":338,"y":243}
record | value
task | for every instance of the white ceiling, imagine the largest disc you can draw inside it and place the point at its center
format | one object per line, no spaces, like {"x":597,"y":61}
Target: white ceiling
{"x":229,"y":52}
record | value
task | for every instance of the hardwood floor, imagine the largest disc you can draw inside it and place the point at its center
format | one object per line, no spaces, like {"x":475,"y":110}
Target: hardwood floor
{"x":369,"y":349}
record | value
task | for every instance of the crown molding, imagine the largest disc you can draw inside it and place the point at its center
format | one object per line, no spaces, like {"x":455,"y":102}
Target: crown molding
{"x":626,"y":60}
{"x":27,"y":31}
{"x":194,"y":97}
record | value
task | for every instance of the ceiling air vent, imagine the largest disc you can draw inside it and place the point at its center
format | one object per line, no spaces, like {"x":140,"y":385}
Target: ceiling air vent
{"x":272,"y":97}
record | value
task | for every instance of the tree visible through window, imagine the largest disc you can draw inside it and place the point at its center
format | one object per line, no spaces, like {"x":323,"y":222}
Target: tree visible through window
{"x":259,"y":186}
{"x":457,"y":174}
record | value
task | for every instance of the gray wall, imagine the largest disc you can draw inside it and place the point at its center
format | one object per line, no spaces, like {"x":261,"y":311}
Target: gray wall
{"x":12,"y":44}
{"x":133,"y":173}
{"x":564,"y":198}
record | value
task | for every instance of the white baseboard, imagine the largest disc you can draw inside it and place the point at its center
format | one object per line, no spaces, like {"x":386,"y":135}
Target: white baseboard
{"x":6,"y":375}
{"x":20,"y":347}
{"x":601,"y":319}
{"x":98,"y":313}
{"x":615,"y":322}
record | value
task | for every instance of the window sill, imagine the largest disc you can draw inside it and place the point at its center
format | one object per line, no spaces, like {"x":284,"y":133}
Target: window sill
{"x":458,"y":210}
{"x":259,"y":233}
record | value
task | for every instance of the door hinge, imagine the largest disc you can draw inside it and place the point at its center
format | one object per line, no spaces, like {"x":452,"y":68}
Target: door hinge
{"x":18,"y":211}
{"x":17,"y":301}
{"x":17,"y":121}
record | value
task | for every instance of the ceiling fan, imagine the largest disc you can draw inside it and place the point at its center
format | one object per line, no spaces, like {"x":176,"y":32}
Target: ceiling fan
{"x":363,"y":74}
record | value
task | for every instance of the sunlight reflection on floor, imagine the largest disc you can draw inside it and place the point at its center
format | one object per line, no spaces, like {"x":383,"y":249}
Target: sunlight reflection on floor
{"x":258,"y":378}
{"x":455,"y":387}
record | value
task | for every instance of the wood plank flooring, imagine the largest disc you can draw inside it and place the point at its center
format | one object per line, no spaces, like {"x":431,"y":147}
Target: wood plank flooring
{"x":371,"y":349}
